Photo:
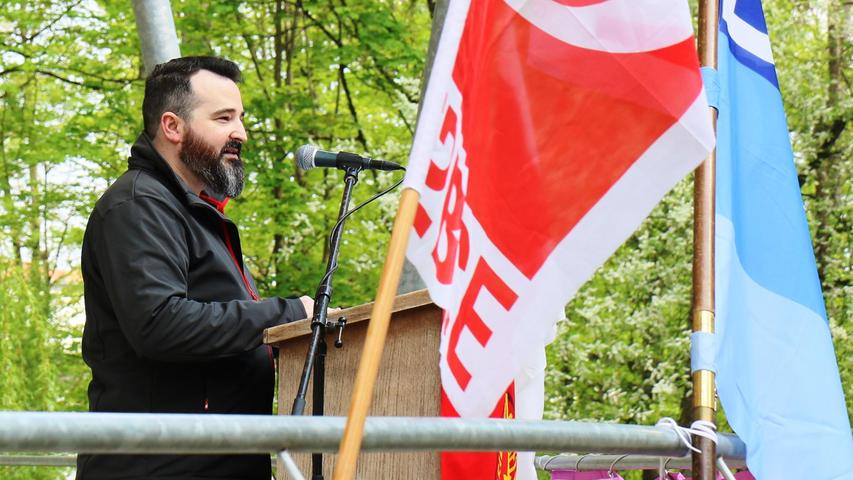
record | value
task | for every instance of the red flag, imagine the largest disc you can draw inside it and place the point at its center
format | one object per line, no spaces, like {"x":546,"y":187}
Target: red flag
{"x":550,"y":129}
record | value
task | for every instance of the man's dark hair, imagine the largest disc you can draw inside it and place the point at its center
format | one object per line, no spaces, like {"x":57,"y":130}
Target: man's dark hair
{"x":168,"y":88}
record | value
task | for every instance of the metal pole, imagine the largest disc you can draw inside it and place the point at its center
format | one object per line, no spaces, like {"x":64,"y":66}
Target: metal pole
{"x":704,"y":399}
{"x":218,"y":434}
{"x":157,"y":34}
{"x":289,"y":465}
{"x":438,"y":15}
{"x":724,"y":469}
{"x":410,"y":280}
{"x":65,"y":460}
{"x":321,"y":303}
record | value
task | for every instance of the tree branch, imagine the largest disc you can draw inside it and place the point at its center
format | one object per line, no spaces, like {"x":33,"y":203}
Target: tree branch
{"x":68,"y":80}
{"x":27,"y":39}
{"x":337,"y":41}
{"x":360,"y":136}
{"x":10,"y":70}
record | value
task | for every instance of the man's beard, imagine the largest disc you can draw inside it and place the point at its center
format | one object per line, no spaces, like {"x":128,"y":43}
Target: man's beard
{"x":220,"y":175}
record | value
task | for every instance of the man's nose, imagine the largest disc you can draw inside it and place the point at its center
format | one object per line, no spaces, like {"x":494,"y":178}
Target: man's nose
{"x":239,"y":133}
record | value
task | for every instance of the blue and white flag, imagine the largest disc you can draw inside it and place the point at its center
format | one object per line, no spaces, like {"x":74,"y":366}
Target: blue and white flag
{"x":777,"y":374}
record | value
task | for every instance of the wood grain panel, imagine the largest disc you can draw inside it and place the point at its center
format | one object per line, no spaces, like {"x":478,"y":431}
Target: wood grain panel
{"x":408,"y":383}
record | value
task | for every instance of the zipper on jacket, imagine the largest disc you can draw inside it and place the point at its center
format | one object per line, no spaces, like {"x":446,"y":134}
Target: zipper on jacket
{"x":220,"y":206}
{"x":272,"y":359}
{"x":236,"y":263}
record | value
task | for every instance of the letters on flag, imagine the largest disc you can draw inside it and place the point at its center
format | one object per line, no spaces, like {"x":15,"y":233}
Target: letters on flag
{"x":776,"y":371}
{"x":550,"y":128}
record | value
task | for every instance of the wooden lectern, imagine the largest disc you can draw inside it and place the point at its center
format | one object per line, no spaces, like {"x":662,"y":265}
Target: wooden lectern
{"x":408,"y":383}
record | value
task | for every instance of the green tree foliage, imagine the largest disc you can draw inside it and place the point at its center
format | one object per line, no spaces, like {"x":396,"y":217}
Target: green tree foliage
{"x":54,"y":112}
{"x":623,"y":353}
{"x":25,"y":369}
{"x":345,"y":74}
{"x":342,"y":74}
{"x":27,"y":372}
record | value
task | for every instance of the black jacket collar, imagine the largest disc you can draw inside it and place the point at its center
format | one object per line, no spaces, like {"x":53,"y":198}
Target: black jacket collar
{"x":143,"y":156}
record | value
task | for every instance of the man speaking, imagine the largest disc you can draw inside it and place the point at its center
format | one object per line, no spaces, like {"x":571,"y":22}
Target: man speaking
{"x":173,"y":317}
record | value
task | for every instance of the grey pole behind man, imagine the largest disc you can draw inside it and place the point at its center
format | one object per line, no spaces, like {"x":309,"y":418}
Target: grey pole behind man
{"x":173,"y":318}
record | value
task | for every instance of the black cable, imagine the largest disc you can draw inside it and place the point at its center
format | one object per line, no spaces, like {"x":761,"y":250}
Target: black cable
{"x":354,"y":209}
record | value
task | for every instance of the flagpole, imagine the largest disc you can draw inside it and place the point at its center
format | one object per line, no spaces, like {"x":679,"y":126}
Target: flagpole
{"x":704,"y":398}
{"x":380,"y":316}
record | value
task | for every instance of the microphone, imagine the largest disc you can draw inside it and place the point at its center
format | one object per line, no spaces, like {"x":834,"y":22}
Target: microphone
{"x":309,"y":156}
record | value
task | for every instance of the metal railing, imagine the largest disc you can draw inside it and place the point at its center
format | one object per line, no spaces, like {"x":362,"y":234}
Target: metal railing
{"x":205,"y":434}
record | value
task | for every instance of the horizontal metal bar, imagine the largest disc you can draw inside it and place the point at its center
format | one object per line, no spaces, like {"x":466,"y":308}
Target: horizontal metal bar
{"x":39,"y":460}
{"x":51,"y":460}
{"x":208,"y":434}
{"x":584,"y":463}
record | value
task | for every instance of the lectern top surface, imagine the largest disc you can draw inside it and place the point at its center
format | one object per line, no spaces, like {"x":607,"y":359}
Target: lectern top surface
{"x":359,"y":313}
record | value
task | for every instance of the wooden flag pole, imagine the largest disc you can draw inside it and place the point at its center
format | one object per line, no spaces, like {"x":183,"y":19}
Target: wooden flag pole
{"x":704,"y":399}
{"x":380,"y":316}
{"x":368,"y":367}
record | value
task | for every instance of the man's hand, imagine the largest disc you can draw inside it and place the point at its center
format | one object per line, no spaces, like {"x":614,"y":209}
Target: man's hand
{"x":308,"y":303}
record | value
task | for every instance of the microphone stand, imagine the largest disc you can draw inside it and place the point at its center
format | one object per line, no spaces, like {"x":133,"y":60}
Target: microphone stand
{"x":319,"y":324}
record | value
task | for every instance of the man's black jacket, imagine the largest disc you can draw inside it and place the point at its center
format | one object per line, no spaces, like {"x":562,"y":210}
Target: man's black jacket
{"x":172,"y":320}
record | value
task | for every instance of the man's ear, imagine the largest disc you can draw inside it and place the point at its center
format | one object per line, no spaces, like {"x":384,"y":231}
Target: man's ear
{"x":172,"y":127}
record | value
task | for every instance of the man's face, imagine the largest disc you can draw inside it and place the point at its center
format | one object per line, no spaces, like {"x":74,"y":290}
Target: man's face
{"x":214,"y":134}
{"x":217,"y":167}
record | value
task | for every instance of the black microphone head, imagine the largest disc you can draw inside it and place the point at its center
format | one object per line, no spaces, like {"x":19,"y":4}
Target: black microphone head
{"x":305,"y":156}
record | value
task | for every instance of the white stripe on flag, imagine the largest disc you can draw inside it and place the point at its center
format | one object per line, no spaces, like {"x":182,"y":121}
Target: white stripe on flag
{"x":745,"y":35}
{"x":432,"y":113}
{"x":640,"y":25}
